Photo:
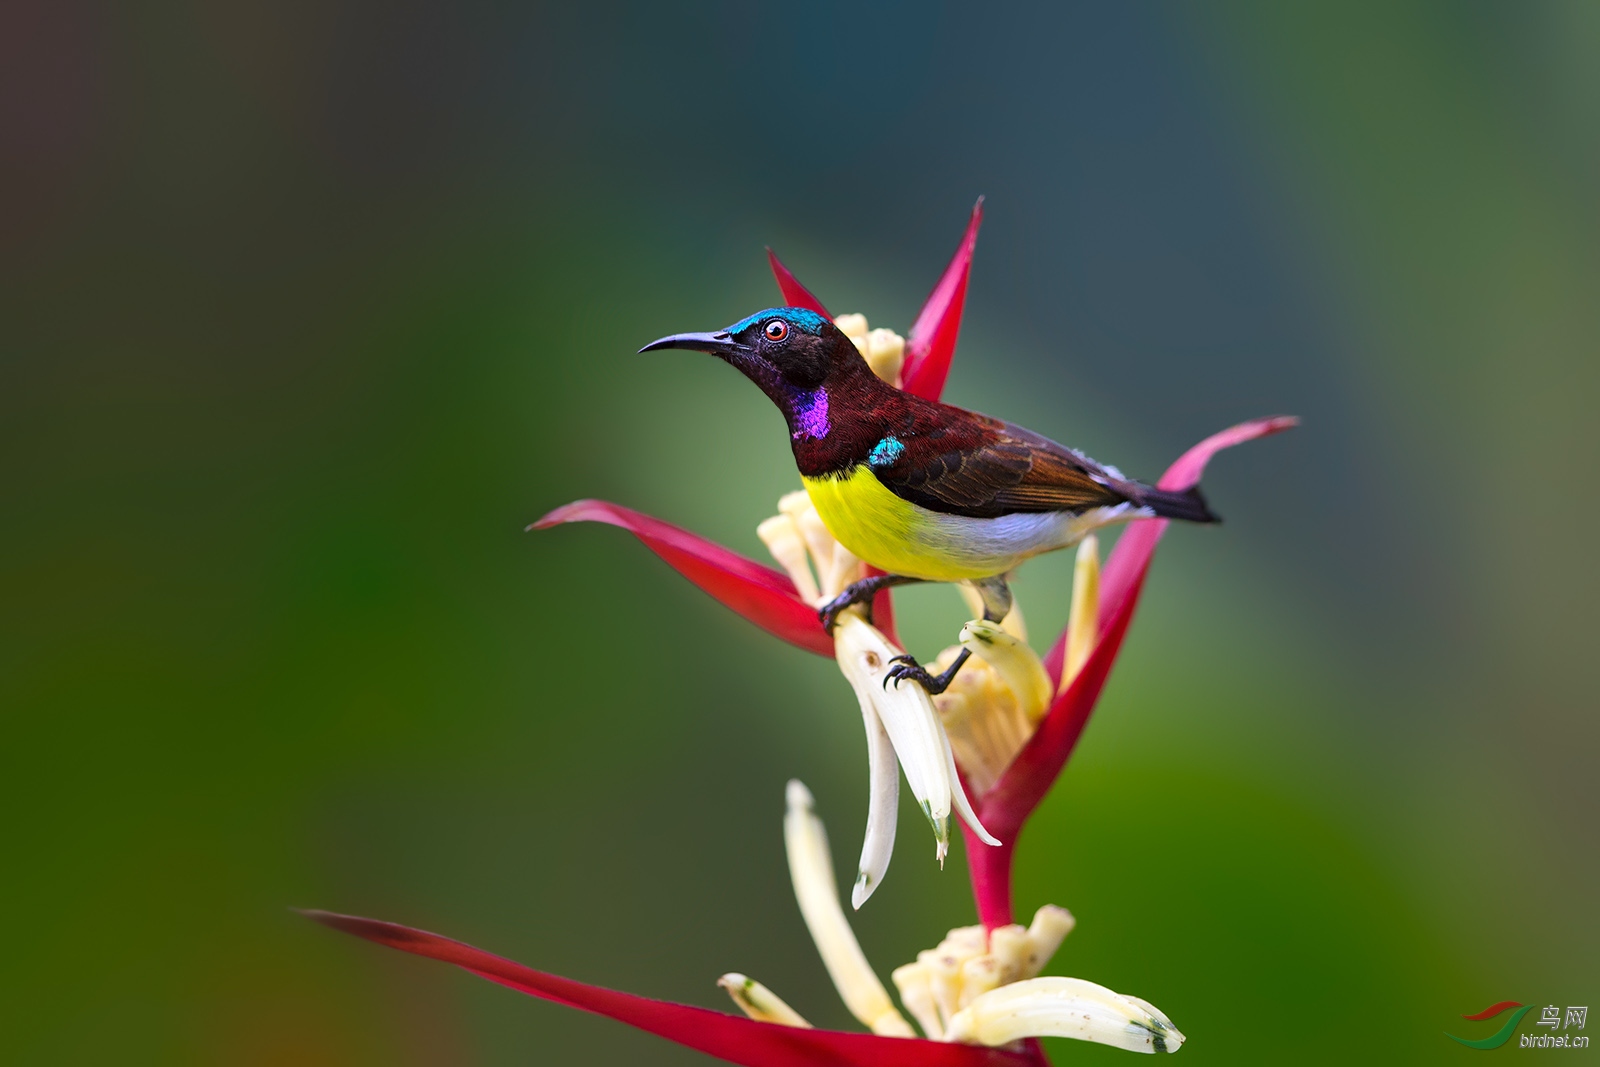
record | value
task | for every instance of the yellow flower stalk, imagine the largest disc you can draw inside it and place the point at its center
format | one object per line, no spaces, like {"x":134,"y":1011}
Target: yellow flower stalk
{"x":811,"y":871}
{"x":1083,"y":624}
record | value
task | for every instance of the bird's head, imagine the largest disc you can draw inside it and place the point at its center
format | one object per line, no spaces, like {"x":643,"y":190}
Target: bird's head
{"x":791,"y":353}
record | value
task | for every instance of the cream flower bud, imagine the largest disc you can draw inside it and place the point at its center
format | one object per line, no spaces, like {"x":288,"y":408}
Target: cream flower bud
{"x":965,"y":940}
{"x":759,"y":1002}
{"x":885,"y":353}
{"x":1017,"y":665}
{"x":1009,"y":946}
{"x":979,"y":975}
{"x":1050,"y":926}
{"x":884,"y":350}
{"x":1083,"y":622}
{"x":836,"y":566}
{"x":1064,"y":1007}
{"x":819,"y":542}
{"x":811,"y":871}
{"x":853,"y":327}
{"x":916,"y":993}
{"x":844,"y":572}
{"x":944,"y":980}
{"x":783,"y":540}
{"x":793,"y":503}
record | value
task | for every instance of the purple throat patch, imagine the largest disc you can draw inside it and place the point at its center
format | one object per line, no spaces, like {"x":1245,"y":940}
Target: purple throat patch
{"x":811,"y":414}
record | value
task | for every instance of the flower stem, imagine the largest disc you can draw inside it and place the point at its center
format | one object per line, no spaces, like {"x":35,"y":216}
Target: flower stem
{"x":990,"y":869}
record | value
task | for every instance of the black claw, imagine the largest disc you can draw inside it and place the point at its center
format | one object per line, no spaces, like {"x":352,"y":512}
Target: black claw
{"x":907,"y":667}
{"x":829,"y":613}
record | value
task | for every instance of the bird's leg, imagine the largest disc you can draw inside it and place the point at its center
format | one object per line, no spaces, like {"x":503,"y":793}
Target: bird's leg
{"x":996,"y":596}
{"x":860,"y":592}
{"x":907,"y":667}
{"x":995,"y":593}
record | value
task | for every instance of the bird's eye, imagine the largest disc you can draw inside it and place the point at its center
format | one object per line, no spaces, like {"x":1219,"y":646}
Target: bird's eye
{"x":776,"y":330}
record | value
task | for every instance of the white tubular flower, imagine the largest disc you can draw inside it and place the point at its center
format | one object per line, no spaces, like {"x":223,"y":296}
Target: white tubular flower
{"x":1083,"y":624}
{"x":864,"y":654}
{"x":811,"y":871}
{"x":883,"y":805}
{"x":1064,"y":1007}
{"x":759,"y":1002}
{"x":913,"y":726}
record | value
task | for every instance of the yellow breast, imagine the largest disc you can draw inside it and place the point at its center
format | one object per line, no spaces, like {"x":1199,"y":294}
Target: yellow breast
{"x":892,"y":534}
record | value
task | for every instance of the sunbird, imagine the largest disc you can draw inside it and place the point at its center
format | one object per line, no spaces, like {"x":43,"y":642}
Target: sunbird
{"x":922,"y":491}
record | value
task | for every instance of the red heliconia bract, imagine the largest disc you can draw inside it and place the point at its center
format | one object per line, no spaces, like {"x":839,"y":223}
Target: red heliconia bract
{"x":932,"y":342}
{"x":769,"y":599}
{"x":730,"y":1037}
{"x":795,"y":295}
{"x":764,"y":596}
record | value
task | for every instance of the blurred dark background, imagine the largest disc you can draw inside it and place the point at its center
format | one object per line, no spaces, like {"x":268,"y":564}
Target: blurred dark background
{"x":307,"y":308}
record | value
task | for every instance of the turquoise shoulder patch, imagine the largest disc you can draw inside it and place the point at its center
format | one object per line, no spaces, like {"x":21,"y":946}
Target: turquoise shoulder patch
{"x":886,"y":451}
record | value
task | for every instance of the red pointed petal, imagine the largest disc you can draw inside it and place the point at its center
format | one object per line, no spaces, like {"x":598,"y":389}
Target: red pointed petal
{"x":795,"y":295}
{"x":1191,"y":465}
{"x":932,"y":343}
{"x":1034,"y":770}
{"x":764,"y":596}
{"x":1131,"y":557}
{"x":729,"y":1037}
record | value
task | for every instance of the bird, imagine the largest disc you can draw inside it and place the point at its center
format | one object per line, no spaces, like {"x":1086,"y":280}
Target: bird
{"x":920,"y":490}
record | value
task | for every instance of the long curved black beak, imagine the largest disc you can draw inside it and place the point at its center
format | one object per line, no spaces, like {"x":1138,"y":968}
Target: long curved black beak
{"x":720,"y":343}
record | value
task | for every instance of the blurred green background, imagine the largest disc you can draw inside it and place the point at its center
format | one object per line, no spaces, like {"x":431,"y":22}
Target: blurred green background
{"x":307,"y":308}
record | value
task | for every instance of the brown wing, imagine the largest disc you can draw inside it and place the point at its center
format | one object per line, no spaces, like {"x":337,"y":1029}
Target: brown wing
{"x":1002,"y":470}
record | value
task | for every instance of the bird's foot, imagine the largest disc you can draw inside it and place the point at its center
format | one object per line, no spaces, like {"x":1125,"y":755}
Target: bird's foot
{"x":906,"y":667}
{"x":860,"y":592}
{"x":829,"y":613}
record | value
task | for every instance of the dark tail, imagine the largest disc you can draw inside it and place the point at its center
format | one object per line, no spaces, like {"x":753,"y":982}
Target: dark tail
{"x":1188,"y":505}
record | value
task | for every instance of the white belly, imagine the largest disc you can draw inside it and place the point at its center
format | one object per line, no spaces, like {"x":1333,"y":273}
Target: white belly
{"x":978,"y":548}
